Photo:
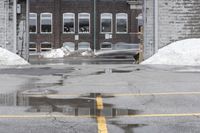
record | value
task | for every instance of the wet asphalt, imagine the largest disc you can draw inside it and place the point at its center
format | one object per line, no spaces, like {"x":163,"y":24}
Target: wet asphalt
{"x":70,"y":98}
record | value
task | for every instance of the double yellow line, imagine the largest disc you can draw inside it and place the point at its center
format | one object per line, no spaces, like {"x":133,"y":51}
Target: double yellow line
{"x":101,"y":120}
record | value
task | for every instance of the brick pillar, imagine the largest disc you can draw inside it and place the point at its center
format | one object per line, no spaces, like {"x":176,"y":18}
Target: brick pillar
{"x":57,"y":21}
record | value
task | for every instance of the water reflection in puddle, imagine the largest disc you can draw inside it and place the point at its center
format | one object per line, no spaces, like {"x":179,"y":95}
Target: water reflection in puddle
{"x":85,"y":105}
{"x":109,"y":70}
{"x":128,"y":128}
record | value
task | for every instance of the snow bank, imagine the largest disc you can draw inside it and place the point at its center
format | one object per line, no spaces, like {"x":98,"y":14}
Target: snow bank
{"x":185,"y":52}
{"x":56,"y":53}
{"x":9,"y":58}
{"x":63,"y":52}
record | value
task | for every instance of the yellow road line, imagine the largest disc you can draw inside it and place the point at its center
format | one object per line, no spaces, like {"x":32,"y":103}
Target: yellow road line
{"x":157,"y":94}
{"x":46,"y":116}
{"x":102,"y":127}
{"x":100,"y":119}
{"x":165,"y":115}
{"x":120,"y":94}
{"x":99,"y":103}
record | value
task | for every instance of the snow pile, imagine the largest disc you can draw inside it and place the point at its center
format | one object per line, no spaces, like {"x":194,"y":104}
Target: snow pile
{"x":56,"y":53}
{"x":64,"y":52}
{"x":87,"y":53}
{"x":185,"y":52}
{"x":9,"y":58}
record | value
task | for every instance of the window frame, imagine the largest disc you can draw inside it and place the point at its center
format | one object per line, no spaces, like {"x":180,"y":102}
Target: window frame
{"x":74,"y":17}
{"x":106,"y":43}
{"x":41,"y":23}
{"x":35,"y":49}
{"x":32,"y":13}
{"x":46,"y":49}
{"x":101,"y":23}
{"x":116,"y":27}
{"x":81,"y":43}
{"x":79,"y":14}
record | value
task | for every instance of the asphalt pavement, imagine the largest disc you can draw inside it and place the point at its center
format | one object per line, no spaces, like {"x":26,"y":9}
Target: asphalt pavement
{"x":99,"y":98}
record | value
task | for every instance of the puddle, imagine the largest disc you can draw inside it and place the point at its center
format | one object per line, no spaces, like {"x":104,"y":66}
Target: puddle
{"x":85,"y":105}
{"x":36,"y":71}
{"x":113,"y":71}
{"x":128,"y":128}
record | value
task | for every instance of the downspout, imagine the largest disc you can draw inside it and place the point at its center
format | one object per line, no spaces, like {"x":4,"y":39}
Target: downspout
{"x":94,"y":26}
{"x":27,"y":31}
{"x":15,"y":25}
{"x":156,"y":26}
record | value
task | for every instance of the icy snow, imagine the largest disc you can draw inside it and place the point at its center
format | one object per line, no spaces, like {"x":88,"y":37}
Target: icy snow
{"x":9,"y":58}
{"x":56,"y":53}
{"x":63,"y":52}
{"x":185,"y":52}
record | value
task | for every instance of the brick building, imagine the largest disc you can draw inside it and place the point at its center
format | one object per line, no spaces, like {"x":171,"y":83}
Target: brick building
{"x":98,"y":23}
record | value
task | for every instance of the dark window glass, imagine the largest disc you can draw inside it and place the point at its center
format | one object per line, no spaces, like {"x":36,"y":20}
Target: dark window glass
{"x":84,"y":23}
{"x":121,"y":19}
{"x":106,"y":22}
{"x":32,"y":22}
{"x":46,"y":23}
{"x":68,"y":22}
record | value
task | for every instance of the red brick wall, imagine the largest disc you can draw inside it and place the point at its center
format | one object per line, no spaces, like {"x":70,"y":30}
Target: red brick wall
{"x":58,"y":7}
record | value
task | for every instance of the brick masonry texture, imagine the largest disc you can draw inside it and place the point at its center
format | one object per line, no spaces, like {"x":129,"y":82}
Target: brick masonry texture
{"x":6,"y":25}
{"x":177,"y":20}
{"x":58,"y":7}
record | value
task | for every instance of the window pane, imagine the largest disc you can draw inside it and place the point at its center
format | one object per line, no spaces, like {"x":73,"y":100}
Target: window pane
{"x":32,"y":22}
{"x":46,"y":23}
{"x":32,"y":47}
{"x":106,"y":22}
{"x":45,"y":46}
{"x":84,"y":23}
{"x":106,"y":45}
{"x":68,"y":23}
{"x":121,"y":22}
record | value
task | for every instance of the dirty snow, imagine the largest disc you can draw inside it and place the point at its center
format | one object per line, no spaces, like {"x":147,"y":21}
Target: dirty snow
{"x":63,"y":52}
{"x":185,"y":52}
{"x":9,"y":58}
{"x":56,"y":53}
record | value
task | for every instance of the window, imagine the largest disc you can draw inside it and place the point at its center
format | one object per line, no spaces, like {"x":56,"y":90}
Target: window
{"x":46,"y":22}
{"x":69,"y":46}
{"x":33,"y":23}
{"x":121,"y":23}
{"x":45,"y":46}
{"x":84,"y":22}
{"x":106,"y":46}
{"x":106,"y":23}
{"x":140,"y":22}
{"x":32,"y":47}
{"x":84,"y":46}
{"x":68,"y":22}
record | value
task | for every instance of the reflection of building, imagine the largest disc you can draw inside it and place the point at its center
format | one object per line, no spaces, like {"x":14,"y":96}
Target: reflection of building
{"x":57,"y":22}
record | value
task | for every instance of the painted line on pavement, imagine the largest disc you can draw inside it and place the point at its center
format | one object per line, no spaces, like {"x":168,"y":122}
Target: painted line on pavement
{"x":157,"y":94}
{"x":118,"y":94}
{"x":101,"y":120}
{"x":101,"y":117}
{"x":102,"y":127}
{"x":99,"y":103}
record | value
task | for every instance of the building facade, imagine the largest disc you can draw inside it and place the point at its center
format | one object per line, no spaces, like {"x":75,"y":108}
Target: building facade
{"x":99,"y":23}
{"x":167,"y":21}
{"x":14,"y":26}
{"x":7,"y":21}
